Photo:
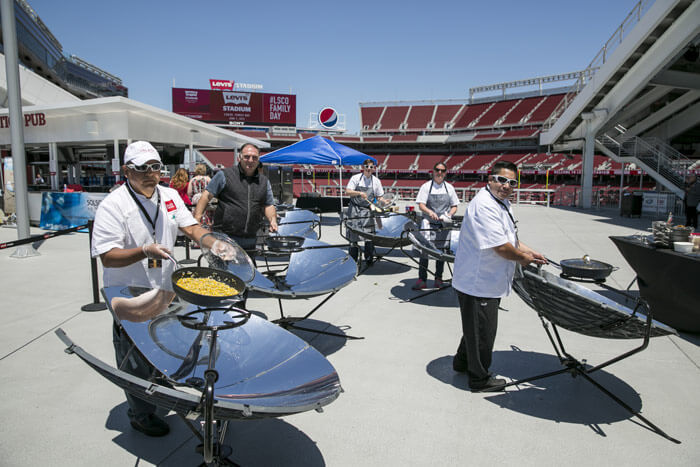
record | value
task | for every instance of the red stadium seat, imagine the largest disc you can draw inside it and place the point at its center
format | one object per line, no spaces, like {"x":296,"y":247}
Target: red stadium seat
{"x":393,"y":118}
{"x":470,"y":114}
{"x":521,"y":110}
{"x":370,"y":116}
{"x":419,"y":116}
{"x":444,"y":114}
{"x":546,"y":108}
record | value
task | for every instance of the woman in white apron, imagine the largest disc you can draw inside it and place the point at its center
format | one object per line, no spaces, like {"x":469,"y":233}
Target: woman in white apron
{"x":438,"y":202}
{"x":363,"y":189}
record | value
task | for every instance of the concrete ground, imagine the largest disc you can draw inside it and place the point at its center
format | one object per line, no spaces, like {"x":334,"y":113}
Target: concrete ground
{"x":402,"y":405}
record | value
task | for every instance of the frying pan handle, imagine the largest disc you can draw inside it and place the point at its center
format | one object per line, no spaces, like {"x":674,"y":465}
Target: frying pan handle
{"x":553,"y":262}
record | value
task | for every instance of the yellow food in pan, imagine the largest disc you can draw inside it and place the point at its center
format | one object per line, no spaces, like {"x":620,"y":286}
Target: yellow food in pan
{"x":206,"y":286}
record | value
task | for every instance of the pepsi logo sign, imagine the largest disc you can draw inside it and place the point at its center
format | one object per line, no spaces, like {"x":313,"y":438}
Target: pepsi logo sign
{"x":328,"y":117}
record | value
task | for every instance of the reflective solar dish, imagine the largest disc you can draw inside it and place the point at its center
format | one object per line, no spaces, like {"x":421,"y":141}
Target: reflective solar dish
{"x":577,"y":308}
{"x":263,"y":369}
{"x":443,"y":248}
{"x":311,"y":272}
{"x":387,"y":231}
{"x":298,"y":222}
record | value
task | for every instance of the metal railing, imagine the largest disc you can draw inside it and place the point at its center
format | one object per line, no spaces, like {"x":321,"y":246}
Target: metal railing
{"x":563,"y":196}
{"x":601,"y":57}
{"x":658,"y":156}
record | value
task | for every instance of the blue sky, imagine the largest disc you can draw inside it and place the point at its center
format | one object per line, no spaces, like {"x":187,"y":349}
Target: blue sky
{"x":332,"y":53}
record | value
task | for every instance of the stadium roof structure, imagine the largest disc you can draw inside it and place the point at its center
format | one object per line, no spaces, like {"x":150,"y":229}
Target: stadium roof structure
{"x":647,"y":81}
{"x":110,"y":119}
{"x":645,"y":92}
{"x":36,"y":90}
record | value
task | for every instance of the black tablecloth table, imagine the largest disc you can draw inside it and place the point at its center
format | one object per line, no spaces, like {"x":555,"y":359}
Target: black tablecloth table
{"x":667,"y":280}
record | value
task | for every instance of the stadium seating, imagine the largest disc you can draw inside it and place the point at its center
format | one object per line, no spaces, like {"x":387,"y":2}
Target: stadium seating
{"x":433,"y":117}
{"x":258,"y":134}
{"x":428,"y":161}
{"x":545,"y":109}
{"x":444,"y":114}
{"x":495,"y":113}
{"x":220,"y":159}
{"x":403,"y":138}
{"x":419,"y":116}
{"x":399,"y":161}
{"x":393,"y":118}
{"x":370,"y":116}
{"x":521,"y":133}
{"x":514,"y":158}
{"x":380,"y":160}
{"x":523,"y":108}
{"x":480,"y":162}
{"x":471,"y":113}
{"x":347,"y":139}
{"x":407,"y":189}
{"x":456,"y":161}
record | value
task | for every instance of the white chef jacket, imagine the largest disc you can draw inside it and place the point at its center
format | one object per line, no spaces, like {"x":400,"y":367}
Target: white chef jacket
{"x":480,"y":271}
{"x":119,"y":223}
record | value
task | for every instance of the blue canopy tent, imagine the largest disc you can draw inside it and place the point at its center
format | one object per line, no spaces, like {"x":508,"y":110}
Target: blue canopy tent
{"x":318,"y":151}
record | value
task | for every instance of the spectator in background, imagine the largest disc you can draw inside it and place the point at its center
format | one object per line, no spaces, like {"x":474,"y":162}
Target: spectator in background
{"x":39,"y":180}
{"x":179,"y":183}
{"x":692,"y":198}
{"x":438,"y":202}
{"x":198,"y":183}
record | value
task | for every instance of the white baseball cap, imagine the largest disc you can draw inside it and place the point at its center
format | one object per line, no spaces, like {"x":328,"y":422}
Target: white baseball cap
{"x":140,"y":152}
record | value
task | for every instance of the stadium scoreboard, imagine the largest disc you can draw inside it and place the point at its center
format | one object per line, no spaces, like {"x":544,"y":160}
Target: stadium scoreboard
{"x":250,"y":108}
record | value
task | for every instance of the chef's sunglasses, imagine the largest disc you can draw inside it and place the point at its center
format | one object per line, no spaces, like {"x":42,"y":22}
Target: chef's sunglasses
{"x":503,"y":180}
{"x":154,"y":167}
{"x":368,"y":166}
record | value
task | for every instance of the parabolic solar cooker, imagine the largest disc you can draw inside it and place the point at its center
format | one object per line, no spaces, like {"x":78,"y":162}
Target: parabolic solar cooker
{"x":212,"y":360}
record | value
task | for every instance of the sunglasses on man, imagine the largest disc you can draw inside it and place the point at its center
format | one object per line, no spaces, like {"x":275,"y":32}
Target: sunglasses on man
{"x":154,"y":167}
{"x":368,"y":166}
{"x":503,"y":180}
{"x":440,"y":170}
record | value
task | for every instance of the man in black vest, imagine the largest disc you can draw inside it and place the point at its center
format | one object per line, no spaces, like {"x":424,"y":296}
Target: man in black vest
{"x":244,"y":197}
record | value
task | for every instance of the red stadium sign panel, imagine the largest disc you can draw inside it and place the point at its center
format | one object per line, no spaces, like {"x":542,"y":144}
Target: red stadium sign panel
{"x":235,"y":106}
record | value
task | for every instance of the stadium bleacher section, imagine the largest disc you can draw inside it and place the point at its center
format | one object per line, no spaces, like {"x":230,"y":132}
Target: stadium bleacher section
{"x":408,"y":139}
{"x":370,"y":116}
{"x":426,"y":118}
{"x":444,"y":114}
{"x":419,"y":117}
{"x":524,"y":107}
{"x":495,"y":113}
{"x":393,"y":118}
{"x":470,"y":114}
{"x":545,"y":108}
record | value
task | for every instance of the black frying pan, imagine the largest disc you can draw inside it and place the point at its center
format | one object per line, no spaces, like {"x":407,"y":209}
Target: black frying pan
{"x":284,"y":243}
{"x":585,"y":268}
{"x":216,"y":274}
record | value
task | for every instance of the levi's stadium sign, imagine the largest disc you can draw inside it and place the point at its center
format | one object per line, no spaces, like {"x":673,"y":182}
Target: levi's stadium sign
{"x":235,"y":106}
{"x":221,"y":84}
